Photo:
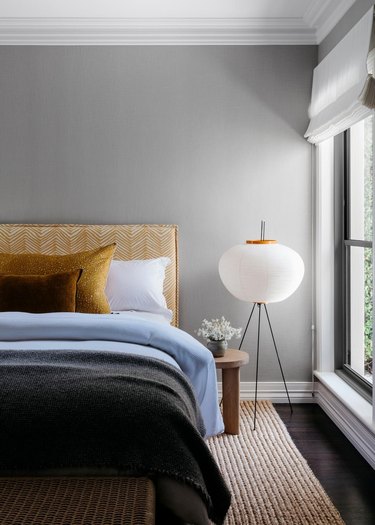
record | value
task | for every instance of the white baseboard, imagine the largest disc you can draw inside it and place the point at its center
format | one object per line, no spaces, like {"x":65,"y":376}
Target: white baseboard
{"x":299,"y":392}
{"x":360,"y":432}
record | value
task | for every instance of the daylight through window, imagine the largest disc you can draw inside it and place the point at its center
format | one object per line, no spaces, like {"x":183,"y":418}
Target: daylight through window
{"x":358,"y":249}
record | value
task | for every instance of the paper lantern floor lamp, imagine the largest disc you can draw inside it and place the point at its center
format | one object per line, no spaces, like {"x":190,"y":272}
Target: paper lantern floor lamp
{"x":261,"y":272}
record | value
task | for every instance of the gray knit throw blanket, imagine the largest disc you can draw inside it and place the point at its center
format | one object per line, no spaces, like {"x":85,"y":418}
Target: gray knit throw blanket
{"x":104,"y":410}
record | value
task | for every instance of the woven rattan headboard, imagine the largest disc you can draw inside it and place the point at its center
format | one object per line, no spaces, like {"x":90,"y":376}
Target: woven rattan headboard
{"x":134,"y":241}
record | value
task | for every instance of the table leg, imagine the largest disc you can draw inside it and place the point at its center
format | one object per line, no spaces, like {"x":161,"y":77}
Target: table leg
{"x":231,"y":400}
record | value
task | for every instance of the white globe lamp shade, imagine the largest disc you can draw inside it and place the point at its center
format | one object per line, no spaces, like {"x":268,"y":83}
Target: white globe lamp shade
{"x":261,"y":271}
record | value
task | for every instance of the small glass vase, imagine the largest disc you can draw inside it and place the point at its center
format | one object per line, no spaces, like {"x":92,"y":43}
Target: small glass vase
{"x":217,"y":347}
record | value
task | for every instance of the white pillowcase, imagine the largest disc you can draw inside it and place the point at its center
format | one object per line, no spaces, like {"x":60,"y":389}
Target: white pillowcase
{"x":138,"y":285}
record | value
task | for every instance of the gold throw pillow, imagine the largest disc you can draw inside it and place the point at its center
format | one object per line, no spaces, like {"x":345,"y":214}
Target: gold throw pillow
{"x":39,"y":293}
{"x":91,"y":296}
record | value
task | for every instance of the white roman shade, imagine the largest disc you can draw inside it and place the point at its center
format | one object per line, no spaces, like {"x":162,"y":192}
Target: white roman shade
{"x":339,"y":84}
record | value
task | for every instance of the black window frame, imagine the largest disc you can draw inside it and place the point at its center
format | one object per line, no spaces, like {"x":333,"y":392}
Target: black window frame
{"x":342,"y":267}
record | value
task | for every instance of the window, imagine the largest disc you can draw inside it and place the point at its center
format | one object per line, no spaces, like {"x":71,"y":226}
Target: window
{"x":357,"y":252}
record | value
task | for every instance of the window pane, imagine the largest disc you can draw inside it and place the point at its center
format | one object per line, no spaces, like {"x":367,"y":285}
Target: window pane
{"x":361,"y":286}
{"x":360,"y":187}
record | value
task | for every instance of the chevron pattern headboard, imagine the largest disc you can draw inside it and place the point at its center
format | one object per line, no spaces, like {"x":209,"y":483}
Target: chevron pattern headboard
{"x":134,"y":241}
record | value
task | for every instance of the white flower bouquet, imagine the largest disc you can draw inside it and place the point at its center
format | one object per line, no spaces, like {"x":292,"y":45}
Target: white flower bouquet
{"x":218,"y":330}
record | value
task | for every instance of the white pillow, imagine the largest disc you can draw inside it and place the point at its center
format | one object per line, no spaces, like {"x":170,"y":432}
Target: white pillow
{"x":138,"y":285}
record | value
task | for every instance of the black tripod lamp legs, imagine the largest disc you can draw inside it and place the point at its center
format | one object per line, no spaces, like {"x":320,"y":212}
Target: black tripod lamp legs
{"x":257,"y":356}
{"x":278,"y":359}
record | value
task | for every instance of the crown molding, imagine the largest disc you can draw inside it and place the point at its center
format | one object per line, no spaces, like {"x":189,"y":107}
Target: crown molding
{"x":324,"y":16}
{"x":161,"y":31}
{"x":316,"y":11}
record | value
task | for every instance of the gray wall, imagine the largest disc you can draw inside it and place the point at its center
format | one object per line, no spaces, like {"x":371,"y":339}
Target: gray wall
{"x":210,"y":138}
{"x":351,"y":17}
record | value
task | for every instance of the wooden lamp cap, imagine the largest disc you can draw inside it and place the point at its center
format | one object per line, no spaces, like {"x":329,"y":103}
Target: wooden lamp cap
{"x":261,"y":241}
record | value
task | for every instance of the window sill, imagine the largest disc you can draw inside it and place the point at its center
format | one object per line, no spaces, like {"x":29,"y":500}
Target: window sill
{"x":353,"y":401}
{"x":349,"y":411}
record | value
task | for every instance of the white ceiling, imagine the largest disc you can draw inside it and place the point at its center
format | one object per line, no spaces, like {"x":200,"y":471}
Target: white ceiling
{"x":191,"y":21}
{"x":158,"y":8}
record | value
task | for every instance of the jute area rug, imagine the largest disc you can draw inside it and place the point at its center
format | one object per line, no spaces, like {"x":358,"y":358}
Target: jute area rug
{"x":270,"y":481}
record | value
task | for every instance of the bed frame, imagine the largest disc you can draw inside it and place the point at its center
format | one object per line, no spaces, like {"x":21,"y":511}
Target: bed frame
{"x":84,"y":501}
{"x":134,"y":241}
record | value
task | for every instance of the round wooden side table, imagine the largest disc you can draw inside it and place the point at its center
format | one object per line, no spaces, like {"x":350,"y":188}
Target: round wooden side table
{"x":230,"y":365}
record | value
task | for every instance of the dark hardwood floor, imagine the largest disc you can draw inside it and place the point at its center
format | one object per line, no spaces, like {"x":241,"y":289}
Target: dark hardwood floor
{"x":346,"y":477}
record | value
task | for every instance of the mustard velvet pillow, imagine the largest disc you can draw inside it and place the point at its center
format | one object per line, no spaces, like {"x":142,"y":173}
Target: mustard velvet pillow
{"x":91,"y":296}
{"x":39,"y":293}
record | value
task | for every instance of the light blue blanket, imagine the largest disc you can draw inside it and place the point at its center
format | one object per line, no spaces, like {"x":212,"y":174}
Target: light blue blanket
{"x":123,"y":334}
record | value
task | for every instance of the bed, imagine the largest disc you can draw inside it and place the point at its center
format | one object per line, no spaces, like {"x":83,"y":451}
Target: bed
{"x":132,"y":430}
